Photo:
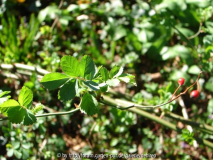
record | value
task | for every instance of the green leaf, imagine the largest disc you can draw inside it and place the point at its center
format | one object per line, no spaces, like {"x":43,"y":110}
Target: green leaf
{"x":194,"y":69}
{"x":89,"y":104}
{"x":104,"y":73}
{"x":47,"y":12}
{"x":72,"y":7}
{"x":11,"y":103}
{"x":16,"y":114}
{"x":104,"y":87}
{"x":210,"y":106}
{"x":38,"y":107}
{"x":119,"y":33}
{"x":151,"y":87}
{"x":138,"y":98}
{"x":92,"y":85}
{"x":29,"y":118}
{"x":15,"y":144}
{"x":112,"y":82}
{"x":177,"y":50}
{"x":98,"y":72}
{"x":10,"y":152}
{"x":174,"y":75}
{"x":87,"y":68}
{"x":4,"y":98}
{"x":26,"y":145}
{"x":4,"y":93}
{"x":114,"y":142}
{"x":187,"y":136}
{"x":25,"y":97}
{"x":25,"y":153}
{"x":183,"y":36}
{"x":17,"y":154}
{"x":124,"y":79}
{"x":68,"y":90}
{"x":128,"y":78}
{"x":54,"y":80}
{"x":70,"y":66}
{"x":116,"y":71}
{"x":209,"y":85}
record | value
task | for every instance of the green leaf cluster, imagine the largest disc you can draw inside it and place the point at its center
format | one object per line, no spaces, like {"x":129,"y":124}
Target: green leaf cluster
{"x":187,"y":136}
{"x":20,"y":111}
{"x":82,"y":78}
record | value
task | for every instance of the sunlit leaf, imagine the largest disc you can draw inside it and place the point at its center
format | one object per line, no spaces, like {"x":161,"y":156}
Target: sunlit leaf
{"x":70,"y":66}
{"x":194,"y":69}
{"x":104,"y":73}
{"x":89,"y":104}
{"x":54,"y":80}
{"x":87,"y":68}
{"x":18,"y":154}
{"x":25,"y":97}
{"x":112,"y":82}
{"x":38,"y":107}
{"x":68,"y":90}
{"x":128,"y":78}
{"x":11,"y":103}
{"x":116,"y":71}
{"x":4,"y":93}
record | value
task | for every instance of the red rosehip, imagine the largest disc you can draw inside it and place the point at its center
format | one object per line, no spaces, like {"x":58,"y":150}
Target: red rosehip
{"x":194,"y":94}
{"x":181,"y":81}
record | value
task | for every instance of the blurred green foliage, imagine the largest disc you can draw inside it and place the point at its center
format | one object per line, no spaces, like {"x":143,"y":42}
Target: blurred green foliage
{"x":168,"y":37}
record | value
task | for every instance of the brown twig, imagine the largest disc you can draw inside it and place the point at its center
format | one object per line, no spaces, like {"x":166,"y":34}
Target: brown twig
{"x":175,"y":92}
{"x":171,"y":99}
{"x":198,"y":32}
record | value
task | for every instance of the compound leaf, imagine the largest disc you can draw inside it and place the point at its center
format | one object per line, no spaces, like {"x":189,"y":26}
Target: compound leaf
{"x":25,"y":97}
{"x":70,"y":66}
{"x":89,"y":104}
{"x":87,"y":68}
{"x":52,"y":81}
{"x":68,"y":90}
